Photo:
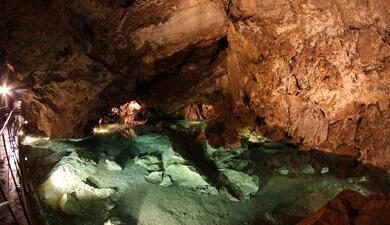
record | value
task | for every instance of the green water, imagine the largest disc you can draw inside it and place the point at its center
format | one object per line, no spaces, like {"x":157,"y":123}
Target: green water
{"x":167,"y":178}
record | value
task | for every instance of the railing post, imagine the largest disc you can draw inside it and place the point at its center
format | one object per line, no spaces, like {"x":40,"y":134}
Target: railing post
{"x":3,"y":195}
{"x":10,"y":129}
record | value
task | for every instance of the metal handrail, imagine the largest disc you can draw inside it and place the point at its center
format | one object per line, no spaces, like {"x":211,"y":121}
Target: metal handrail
{"x":2,"y":192}
{"x":6,"y":122}
{"x":11,"y":140}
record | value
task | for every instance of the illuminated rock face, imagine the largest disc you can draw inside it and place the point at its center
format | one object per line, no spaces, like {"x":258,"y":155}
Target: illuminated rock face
{"x":79,"y":58}
{"x":314,"y":71}
{"x":351,"y":207}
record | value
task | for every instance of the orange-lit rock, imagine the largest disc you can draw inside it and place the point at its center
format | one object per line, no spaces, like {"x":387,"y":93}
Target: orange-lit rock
{"x":198,"y":112}
{"x":316,"y":72}
{"x":350,"y":207}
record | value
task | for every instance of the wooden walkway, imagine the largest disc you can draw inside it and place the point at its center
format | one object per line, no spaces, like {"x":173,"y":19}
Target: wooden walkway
{"x":10,"y":182}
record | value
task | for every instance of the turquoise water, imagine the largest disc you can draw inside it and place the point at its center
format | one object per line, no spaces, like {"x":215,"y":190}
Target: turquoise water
{"x":165,"y":177}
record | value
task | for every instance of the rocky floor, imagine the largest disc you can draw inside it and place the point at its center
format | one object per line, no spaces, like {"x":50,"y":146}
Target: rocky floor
{"x":167,"y":178}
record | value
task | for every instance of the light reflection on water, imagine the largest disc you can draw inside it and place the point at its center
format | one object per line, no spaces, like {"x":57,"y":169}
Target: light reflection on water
{"x":289,"y":180}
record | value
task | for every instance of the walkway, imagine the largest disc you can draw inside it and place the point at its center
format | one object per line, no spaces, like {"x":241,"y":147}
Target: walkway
{"x":9,"y":173}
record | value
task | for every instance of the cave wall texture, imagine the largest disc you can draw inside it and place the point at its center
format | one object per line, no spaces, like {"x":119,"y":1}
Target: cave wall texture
{"x":315,"y":71}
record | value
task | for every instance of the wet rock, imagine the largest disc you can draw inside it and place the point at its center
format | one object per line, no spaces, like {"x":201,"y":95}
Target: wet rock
{"x":150,"y":163}
{"x":69,"y":176}
{"x":270,"y":218}
{"x":350,"y":207}
{"x":70,"y":205}
{"x":170,"y":157}
{"x":237,"y":164}
{"x":183,"y":175}
{"x":244,"y":185}
{"x":152,"y":143}
{"x":87,"y":208}
{"x":87,"y":192}
{"x":166,"y":181}
{"x":283,"y":171}
{"x":110,"y":165}
{"x":220,"y":155}
{"x":173,"y":127}
{"x":324,"y":170}
{"x":154,"y":177}
{"x":114,"y":221}
{"x":66,"y":177}
{"x":308,"y":169}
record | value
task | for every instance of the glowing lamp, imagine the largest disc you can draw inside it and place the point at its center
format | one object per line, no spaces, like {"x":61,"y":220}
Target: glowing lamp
{"x":4,"y":90}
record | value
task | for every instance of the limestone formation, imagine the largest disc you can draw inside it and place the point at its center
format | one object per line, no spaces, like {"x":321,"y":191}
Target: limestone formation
{"x":313,"y":72}
{"x":351,"y":207}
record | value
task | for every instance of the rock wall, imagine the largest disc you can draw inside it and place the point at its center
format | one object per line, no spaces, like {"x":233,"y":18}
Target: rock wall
{"x":317,"y":71}
{"x":351,"y":207}
{"x":313,"y":71}
{"x":79,"y":58}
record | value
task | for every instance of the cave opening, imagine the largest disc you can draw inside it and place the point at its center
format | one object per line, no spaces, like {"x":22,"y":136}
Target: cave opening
{"x":125,"y":112}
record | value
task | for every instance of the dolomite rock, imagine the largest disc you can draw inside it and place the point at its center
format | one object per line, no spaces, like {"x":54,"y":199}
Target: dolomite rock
{"x":114,"y":221}
{"x":316,"y":72}
{"x":150,"y":163}
{"x":110,"y":165}
{"x":68,"y":177}
{"x":73,"y":57}
{"x":244,"y":185}
{"x":154,"y":177}
{"x":351,"y":207}
{"x":184,"y":175}
{"x":69,"y":205}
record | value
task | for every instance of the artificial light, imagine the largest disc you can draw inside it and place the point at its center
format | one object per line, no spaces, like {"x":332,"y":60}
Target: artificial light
{"x":100,"y":130}
{"x":4,"y":90}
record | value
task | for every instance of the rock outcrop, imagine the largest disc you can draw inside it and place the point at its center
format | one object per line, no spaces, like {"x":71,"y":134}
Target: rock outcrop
{"x":317,"y":72}
{"x":78,"y":58}
{"x":351,"y":207}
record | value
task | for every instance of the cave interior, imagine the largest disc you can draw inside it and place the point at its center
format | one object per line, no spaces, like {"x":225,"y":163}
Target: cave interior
{"x":165,"y":112}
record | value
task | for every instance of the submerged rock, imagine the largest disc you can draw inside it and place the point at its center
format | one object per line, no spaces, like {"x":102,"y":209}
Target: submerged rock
{"x":152,"y":143}
{"x":68,"y":177}
{"x":154,"y":177}
{"x":87,"y":192}
{"x":150,"y":163}
{"x":184,"y":175}
{"x":110,"y":165}
{"x":89,"y":209}
{"x":114,"y":221}
{"x":243,"y":184}
{"x":324,"y":170}
{"x":166,"y":181}
{"x":70,"y":205}
{"x":283,"y":171}
{"x":308,"y":169}
{"x":170,"y":157}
